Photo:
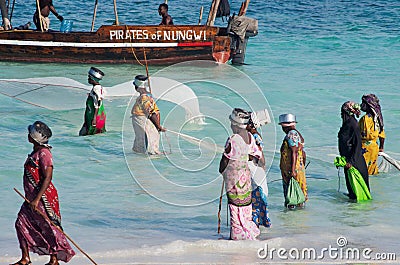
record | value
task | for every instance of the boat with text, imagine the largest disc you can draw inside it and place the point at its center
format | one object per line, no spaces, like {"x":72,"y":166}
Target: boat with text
{"x":158,"y":44}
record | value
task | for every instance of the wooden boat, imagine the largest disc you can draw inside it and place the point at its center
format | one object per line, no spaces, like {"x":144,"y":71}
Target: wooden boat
{"x":119,"y":44}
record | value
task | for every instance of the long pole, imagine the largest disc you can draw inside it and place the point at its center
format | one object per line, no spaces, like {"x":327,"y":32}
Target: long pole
{"x":220,"y":206}
{"x":59,"y":229}
{"x":201,"y":14}
{"x":94,"y":15}
{"x":147,"y":68}
{"x":244,"y":7}
{"x":116,"y":13}
{"x":214,"y":13}
{"x":39,"y":15}
{"x":210,"y":13}
{"x":12,"y":10}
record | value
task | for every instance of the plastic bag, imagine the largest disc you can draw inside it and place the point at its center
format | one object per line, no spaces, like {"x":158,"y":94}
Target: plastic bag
{"x":357,"y":182}
{"x":294,"y":195}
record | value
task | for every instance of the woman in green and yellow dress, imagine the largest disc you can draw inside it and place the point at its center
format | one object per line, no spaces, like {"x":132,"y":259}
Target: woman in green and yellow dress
{"x":293,"y":156}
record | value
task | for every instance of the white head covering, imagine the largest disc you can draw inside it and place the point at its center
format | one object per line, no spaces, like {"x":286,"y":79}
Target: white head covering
{"x":40,"y":132}
{"x":240,"y":118}
{"x":260,"y":118}
{"x":141,"y":81}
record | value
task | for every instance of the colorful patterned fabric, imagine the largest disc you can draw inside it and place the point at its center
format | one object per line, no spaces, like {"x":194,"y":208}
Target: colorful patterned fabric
{"x":237,"y":174}
{"x":242,"y":225}
{"x":373,"y":102}
{"x":351,"y":108}
{"x":145,"y":105}
{"x":91,"y":103}
{"x":260,"y":188}
{"x":32,"y":229}
{"x":260,"y":208}
{"x":237,"y":179}
{"x":369,"y":140}
{"x":293,"y":139}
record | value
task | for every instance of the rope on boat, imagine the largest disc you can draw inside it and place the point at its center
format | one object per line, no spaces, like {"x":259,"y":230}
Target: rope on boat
{"x":133,"y":51}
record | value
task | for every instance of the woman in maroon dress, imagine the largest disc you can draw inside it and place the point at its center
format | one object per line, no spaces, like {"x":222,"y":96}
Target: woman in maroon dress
{"x":34,"y":232}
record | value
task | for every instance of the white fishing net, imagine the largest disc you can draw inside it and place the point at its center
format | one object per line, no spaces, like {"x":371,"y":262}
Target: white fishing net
{"x":61,"y":93}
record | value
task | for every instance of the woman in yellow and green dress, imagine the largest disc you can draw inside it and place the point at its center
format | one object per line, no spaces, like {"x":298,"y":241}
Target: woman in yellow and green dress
{"x":371,"y":127}
{"x":293,"y":156}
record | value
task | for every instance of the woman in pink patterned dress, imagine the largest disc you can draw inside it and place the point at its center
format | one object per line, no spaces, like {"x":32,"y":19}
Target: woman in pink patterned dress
{"x":237,"y":177}
{"x":34,"y":232}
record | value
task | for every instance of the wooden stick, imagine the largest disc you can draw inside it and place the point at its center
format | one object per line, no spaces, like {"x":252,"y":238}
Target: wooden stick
{"x":94,"y":15}
{"x":147,"y":68}
{"x":166,"y":1}
{"x":116,"y":13}
{"x":201,"y":15}
{"x":39,"y":15}
{"x":210,"y":13}
{"x":244,"y":9}
{"x":12,"y":11}
{"x":241,"y":9}
{"x":220,"y":206}
{"x":214,"y":12}
{"x":59,"y":229}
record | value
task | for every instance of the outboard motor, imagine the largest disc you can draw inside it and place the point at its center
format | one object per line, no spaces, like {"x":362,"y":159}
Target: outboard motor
{"x":240,"y":29}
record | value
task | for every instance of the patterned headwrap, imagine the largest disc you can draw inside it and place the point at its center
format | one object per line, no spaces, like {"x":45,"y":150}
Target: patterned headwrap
{"x":240,"y":118}
{"x":40,"y":132}
{"x":351,"y":108}
{"x":373,"y":102}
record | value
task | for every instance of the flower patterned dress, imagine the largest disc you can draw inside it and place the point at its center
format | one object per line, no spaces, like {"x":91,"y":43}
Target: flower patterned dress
{"x":259,"y":186}
{"x":237,"y":177}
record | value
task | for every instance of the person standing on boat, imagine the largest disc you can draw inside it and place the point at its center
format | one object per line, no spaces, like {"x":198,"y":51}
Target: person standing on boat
{"x":4,"y":14}
{"x":145,"y":119}
{"x":163,"y":11}
{"x":237,"y":177}
{"x":95,"y":115}
{"x":371,"y":127}
{"x":350,"y":144}
{"x":34,"y":232}
{"x":45,"y":7}
{"x":293,"y":156}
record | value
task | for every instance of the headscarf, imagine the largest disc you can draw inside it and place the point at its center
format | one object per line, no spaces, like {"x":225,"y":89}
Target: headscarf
{"x":239,"y":118}
{"x":141,"y":81}
{"x":350,"y":108}
{"x":40,"y":133}
{"x":373,"y":102}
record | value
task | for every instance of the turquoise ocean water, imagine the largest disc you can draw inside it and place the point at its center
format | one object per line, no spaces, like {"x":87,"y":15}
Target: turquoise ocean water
{"x":122,"y":208}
